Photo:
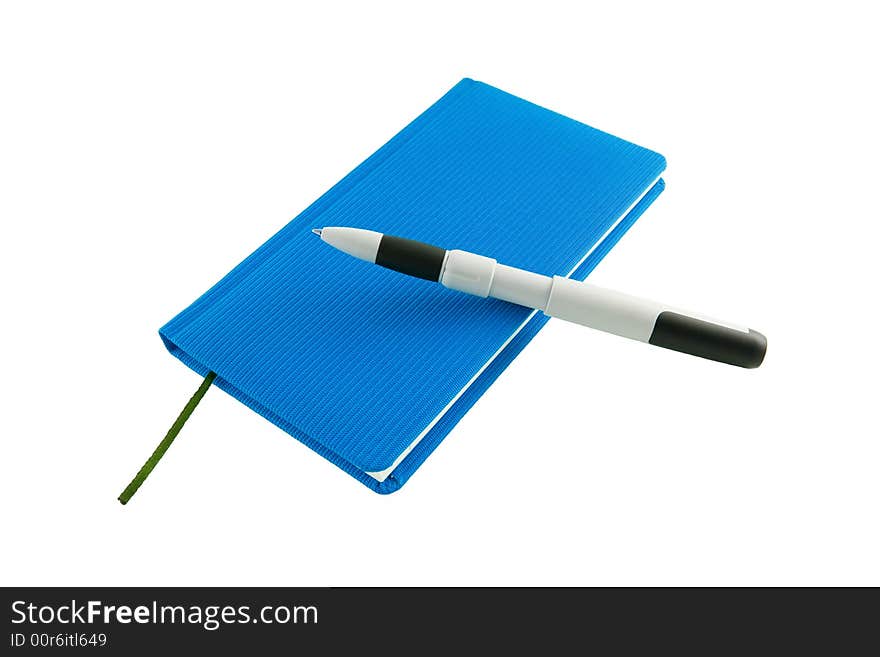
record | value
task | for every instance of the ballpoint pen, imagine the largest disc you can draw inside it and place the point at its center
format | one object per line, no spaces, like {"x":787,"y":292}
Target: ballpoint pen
{"x":574,"y":301}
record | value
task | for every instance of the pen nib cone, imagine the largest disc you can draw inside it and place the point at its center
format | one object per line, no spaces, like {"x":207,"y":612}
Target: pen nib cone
{"x":317,"y":231}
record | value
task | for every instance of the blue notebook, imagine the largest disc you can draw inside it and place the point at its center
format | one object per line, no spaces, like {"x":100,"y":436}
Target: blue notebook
{"x":371,"y":368}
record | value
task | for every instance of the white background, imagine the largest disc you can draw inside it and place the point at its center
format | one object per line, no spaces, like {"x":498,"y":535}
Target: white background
{"x":145,"y":150}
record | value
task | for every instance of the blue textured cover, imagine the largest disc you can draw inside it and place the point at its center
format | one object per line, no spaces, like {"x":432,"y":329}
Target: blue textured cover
{"x":355,"y":360}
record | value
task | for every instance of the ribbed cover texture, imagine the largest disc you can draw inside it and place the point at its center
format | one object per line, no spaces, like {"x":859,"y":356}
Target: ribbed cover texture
{"x":356,"y":361}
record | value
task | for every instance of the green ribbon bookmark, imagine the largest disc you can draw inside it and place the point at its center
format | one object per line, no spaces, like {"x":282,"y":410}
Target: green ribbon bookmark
{"x":147,"y":468}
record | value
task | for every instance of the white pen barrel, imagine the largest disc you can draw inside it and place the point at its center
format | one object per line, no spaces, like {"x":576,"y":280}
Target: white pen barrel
{"x":484,"y":277}
{"x":601,"y":309}
{"x":654,"y":323}
{"x":521,"y":287}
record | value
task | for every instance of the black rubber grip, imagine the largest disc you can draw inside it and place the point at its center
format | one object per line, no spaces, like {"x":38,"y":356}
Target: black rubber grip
{"x":707,"y":340}
{"x":411,"y":257}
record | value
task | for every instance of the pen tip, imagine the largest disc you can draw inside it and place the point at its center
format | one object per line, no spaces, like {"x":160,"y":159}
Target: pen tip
{"x":317,"y":231}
